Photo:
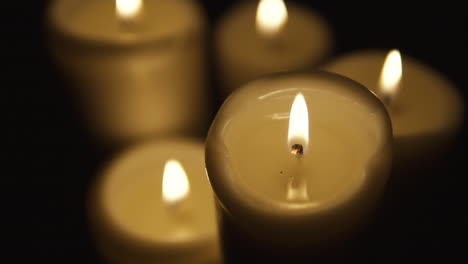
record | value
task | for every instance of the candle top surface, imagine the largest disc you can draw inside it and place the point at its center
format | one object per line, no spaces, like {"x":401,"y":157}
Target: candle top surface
{"x":349,"y":131}
{"x":426,"y":103}
{"x":305,"y":38}
{"x":97,"y":20}
{"x":131,"y":195}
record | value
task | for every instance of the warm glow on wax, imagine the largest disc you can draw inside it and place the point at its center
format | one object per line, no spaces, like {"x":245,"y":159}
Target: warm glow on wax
{"x":128,"y":9}
{"x":390,"y":78}
{"x":272,"y":15}
{"x":175,"y":185}
{"x":298,"y":131}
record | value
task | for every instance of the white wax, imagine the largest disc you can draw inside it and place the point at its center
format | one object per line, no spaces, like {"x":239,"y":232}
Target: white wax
{"x":345,"y":167}
{"x":426,"y":113}
{"x":133,"y":82}
{"x":133,"y":224}
{"x":244,"y":54}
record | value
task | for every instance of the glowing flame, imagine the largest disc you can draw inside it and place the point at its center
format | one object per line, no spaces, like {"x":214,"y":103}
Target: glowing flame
{"x":392,"y":72}
{"x":272,"y":15}
{"x":175,"y":184}
{"x":298,"y":132}
{"x":128,"y":9}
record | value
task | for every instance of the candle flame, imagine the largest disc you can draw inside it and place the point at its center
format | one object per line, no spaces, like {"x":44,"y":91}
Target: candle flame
{"x":128,"y":9}
{"x":175,"y":184}
{"x":298,"y":132}
{"x":272,"y":15}
{"x":390,"y":78}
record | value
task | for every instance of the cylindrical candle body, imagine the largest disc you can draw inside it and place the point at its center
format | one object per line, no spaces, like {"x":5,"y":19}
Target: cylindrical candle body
{"x":244,"y":54}
{"x":249,"y":164}
{"x":131,"y":222}
{"x":425,"y":114}
{"x":134,"y":82}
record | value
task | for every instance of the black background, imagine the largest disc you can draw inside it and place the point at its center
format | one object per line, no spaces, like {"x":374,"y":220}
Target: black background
{"x":50,"y":159}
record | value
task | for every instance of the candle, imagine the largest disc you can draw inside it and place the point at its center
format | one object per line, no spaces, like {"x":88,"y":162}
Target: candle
{"x":294,"y":177}
{"x":425,"y":108}
{"x":256,"y":38}
{"x":154,"y":204}
{"x":138,"y":65}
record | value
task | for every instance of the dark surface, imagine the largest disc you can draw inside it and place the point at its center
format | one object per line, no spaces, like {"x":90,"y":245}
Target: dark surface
{"x":50,"y":159}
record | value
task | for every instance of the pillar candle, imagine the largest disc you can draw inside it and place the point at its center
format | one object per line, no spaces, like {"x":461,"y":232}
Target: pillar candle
{"x":294,"y":178}
{"x":260,"y":37}
{"x":137,"y":65}
{"x":425,"y":108}
{"x":153,"y":204}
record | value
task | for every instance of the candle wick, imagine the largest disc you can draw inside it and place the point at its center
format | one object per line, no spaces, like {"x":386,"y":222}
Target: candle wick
{"x":129,"y":26}
{"x":272,"y":42}
{"x":297,"y":150}
{"x":133,"y":22}
{"x":178,"y":210}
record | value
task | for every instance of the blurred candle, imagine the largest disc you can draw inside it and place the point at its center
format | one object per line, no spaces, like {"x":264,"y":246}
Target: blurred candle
{"x":154,"y":205}
{"x":138,"y":65}
{"x":260,"y":37}
{"x":425,"y":108}
{"x":297,"y":163}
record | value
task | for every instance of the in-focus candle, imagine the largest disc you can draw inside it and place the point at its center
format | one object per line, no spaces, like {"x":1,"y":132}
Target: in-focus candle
{"x":297,"y":163}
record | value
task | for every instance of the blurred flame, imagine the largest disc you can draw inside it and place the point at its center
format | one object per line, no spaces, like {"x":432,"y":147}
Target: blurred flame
{"x":128,"y":9}
{"x":175,"y":184}
{"x":298,"y":132}
{"x":272,"y":15}
{"x":392,"y":72}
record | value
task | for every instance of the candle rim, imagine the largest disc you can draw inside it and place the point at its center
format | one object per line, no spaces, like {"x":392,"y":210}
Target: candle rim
{"x":55,"y":21}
